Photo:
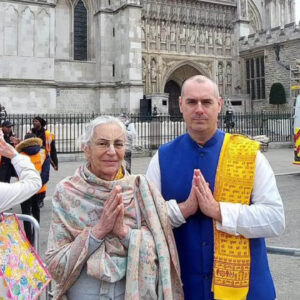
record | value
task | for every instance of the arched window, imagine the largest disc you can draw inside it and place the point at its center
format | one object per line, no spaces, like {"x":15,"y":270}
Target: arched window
{"x":80,"y":31}
{"x":255,"y":77}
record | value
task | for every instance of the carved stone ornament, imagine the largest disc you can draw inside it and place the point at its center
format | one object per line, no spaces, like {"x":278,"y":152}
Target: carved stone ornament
{"x":189,"y":12}
{"x":153,"y":70}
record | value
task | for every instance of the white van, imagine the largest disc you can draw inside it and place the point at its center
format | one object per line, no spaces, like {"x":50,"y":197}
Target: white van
{"x":297,"y":131}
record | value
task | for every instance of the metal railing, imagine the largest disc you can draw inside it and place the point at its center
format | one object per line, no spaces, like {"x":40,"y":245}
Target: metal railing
{"x":278,"y":126}
{"x":283,"y":251}
{"x":152,"y":131}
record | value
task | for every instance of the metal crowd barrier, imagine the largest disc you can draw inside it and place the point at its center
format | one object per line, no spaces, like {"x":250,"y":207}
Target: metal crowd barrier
{"x":283,"y":251}
{"x":36,"y":226}
{"x":49,"y":294}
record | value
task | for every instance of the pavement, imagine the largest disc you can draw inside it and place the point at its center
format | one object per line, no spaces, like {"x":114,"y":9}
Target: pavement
{"x":284,"y":268}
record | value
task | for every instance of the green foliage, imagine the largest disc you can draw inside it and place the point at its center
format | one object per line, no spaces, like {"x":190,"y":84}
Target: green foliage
{"x":277,"y":94}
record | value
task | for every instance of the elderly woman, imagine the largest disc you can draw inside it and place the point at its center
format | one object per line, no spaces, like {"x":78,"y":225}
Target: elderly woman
{"x":109,"y":236}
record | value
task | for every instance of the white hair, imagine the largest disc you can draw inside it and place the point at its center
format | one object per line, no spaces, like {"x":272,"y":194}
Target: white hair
{"x":85,"y":139}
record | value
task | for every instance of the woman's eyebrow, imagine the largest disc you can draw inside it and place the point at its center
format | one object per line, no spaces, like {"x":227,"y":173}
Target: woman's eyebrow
{"x":107,"y":140}
{"x":100,"y":139}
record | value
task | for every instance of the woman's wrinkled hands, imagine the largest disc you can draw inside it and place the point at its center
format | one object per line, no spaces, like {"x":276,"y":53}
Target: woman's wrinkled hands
{"x":112,"y":218}
{"x":120,"y":229}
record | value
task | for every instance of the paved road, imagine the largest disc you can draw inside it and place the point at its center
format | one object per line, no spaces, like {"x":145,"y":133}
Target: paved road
{"x":285,"y":269}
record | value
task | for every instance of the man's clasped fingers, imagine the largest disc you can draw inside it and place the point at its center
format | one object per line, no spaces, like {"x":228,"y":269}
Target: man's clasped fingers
{"x":206,"y":201}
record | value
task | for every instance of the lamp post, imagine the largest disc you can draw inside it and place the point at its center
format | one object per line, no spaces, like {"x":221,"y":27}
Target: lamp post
{"x":3,"y":113}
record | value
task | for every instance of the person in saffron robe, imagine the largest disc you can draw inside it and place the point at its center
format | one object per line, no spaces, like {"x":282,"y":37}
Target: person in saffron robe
{"x":222,"y":202}
{"x":110,"y":237}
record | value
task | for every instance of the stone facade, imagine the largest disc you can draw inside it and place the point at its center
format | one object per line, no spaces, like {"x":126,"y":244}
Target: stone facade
{"x":185,"y":38}
{"x":136,"y":48}
{"x":38,"y":73}
{"x":278,"y":67}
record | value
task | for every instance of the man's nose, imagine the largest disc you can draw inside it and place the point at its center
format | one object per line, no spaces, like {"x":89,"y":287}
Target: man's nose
{"x":199,"y":107}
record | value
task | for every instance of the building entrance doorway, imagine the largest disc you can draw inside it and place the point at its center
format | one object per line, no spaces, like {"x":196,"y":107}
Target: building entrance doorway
{"x":174,"y":84}
{"x":173,"y":89}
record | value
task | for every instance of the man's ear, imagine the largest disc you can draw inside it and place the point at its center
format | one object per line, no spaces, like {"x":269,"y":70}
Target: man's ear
{"x":220,"y":103}
{"x":180,"y":103}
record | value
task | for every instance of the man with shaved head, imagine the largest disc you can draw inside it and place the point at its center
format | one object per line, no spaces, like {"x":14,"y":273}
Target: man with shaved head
{"x":222,"y":202}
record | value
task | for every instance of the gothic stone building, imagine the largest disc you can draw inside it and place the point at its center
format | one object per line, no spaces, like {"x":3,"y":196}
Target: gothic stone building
{"x":105,"y":55}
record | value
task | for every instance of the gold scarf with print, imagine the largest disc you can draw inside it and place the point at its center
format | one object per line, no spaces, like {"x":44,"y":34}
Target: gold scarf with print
{"x":120,"y":174}
{"x":234,"y":183}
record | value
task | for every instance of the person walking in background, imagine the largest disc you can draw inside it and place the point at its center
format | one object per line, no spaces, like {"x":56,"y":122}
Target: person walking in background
{"x":228,"y":120}
{"x":48,"y":139}
{"x":131,"y":135}
{"x":29,"y":179}
{"x":32,"y":147}
{"x":6,"y":168}
{"x":223,"y":201}
{"x":48,"y":143}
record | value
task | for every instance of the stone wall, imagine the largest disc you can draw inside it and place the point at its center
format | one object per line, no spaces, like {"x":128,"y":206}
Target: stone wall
{"x":63,"y":36}
{"x":268,"y":37}
{"x":275,"y":72}
{"x":287,"y":38}
{"x":28,"y":99}
{"x":26,"y":41}
{"x":75,"y":72}
{"x":76,"y":100}
{"x":37,"y":70}
{"x":27,"y":56}
{"x":119,"y":56}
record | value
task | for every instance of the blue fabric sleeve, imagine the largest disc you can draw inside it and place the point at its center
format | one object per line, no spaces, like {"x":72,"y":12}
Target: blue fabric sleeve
{"x":94,"y":244}
{"x":45,"y":170}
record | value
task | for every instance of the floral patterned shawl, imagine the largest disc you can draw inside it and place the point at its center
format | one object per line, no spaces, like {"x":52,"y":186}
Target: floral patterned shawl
{"x":150,"y":263}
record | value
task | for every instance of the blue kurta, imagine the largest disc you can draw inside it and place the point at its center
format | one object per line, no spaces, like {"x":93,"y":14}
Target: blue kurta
{"x":194,"y":239}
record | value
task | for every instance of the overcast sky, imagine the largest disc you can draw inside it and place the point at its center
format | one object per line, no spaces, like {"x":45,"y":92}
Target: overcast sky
{"x":297,"y":11}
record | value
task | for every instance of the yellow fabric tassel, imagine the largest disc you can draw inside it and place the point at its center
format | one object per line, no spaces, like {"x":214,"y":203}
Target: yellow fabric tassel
{"x":234,"y":183}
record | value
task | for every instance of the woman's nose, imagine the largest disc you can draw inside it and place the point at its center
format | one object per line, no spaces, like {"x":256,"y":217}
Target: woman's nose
{"x":111,"y":149}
